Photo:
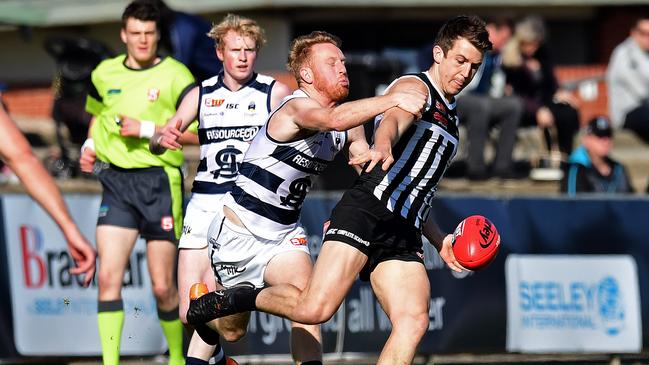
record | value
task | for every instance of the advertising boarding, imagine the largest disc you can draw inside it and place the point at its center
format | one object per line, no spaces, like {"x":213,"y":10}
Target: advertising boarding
{"x":52,"y":313}
{"x":573,"y":303}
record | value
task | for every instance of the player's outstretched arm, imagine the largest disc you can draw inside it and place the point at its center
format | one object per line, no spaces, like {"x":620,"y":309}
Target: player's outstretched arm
{"x":442,"y":242}
{"x":351,"y":114}
{"x":17,"y":153}
{"x":169,"y":137}
{"x":393,"y":124}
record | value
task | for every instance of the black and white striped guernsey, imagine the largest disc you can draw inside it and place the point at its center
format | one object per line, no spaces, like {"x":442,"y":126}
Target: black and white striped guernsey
{"x":421,"y":157}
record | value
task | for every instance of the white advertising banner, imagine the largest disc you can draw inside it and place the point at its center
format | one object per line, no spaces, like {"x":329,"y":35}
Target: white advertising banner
{"x":52,"y":313}
{"x":573,"y":303}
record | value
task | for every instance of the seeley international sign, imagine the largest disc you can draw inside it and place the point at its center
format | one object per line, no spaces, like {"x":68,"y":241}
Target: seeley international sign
{"x":573,"y":303}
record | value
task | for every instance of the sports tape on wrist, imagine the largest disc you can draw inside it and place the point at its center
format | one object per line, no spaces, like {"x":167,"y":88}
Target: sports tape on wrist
{"x":147,"y":129}
{"x":89,"y":143}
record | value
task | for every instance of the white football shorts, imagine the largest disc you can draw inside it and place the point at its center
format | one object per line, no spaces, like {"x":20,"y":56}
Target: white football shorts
{"x":237,"y":255}
{"x":199,"y":214}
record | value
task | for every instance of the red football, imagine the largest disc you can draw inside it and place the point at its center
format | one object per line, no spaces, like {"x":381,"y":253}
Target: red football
{"x":475,"y":242}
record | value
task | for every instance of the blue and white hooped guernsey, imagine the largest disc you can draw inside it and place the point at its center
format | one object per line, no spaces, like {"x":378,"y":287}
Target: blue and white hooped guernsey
{"x":229,"y":120}
{"x":275,"y":178}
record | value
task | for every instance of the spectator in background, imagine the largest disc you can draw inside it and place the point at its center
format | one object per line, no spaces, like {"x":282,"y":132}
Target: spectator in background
{"x":484,"y":104}
{"x":185,"y":37}
{"x":16,"y":152}
{"x":628,"y":80}
{"x":590,"y":168}
{"x":530,"y":73}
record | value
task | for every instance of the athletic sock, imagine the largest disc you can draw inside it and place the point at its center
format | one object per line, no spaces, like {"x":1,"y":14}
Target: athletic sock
{"x":110,"y":320}
{"x":208,"y":335}
{"x":244,"y":300}
{"x":195,"y":361}
{"x":315,"y":362}
{"x":218,"y":357}
{"x":173,"y":331}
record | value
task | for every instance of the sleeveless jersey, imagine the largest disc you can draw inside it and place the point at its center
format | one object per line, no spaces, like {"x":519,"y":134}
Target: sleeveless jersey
{"x":275,"y":178}
{"x":421,"y":156}
{"x":228,"y":121}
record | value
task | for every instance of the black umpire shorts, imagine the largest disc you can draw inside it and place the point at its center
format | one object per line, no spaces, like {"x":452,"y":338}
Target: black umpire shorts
{"x":364,"y":222}
{"x":143,"y":199}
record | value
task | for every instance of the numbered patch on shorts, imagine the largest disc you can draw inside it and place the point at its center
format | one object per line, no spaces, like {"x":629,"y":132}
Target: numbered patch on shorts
{"x":167,"y":223}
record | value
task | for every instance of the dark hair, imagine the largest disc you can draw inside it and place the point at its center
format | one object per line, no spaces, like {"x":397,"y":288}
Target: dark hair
{"x":469,"y":27}
{"x":142,"y":10}
{"x":643,"y":15}
{"x":501,"y":21}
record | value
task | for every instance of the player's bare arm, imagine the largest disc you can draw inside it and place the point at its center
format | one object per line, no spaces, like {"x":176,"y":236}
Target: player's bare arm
{"x":306,"y":113}
{"x":357,"y":144}
{"x":442,"y":241}
{"x":168,"y":137}
{"x":394,"y":123}
{"x":278,"y":93}
{"x":17,"y":153}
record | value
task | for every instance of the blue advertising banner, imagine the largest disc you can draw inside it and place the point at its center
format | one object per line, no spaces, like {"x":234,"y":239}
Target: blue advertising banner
{"x":468,"y":312}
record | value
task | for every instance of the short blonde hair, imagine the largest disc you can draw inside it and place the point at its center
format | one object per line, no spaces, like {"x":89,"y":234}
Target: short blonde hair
{"x":244,"y":26}
{"x":301,"y":49}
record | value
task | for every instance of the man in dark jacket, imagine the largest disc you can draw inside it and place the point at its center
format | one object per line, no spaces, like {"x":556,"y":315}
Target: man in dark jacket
{"x":590,"y":168}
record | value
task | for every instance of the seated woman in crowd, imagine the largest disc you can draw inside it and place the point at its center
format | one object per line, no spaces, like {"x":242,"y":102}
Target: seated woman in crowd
{"x":530,"y":74}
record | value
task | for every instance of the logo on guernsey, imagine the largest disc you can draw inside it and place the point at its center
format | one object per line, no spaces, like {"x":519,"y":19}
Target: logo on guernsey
{"x":298,"y":190}
{"x":114,"y":91}
{"x":245,"y":134}
{"x":167,"y":223}
{"x":252,"y":107}
{"x":439,"y":106}
{"x":440,"y":118}
{"x":210,"y":102}
{"x":153,"y":94}
{"x":226,"y":159}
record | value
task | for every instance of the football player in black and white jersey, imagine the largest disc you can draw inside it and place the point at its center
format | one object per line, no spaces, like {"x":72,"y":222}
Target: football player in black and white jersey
{"x":375,"y":230}
{"x":232,"y":106}
{"x":258,"y":240}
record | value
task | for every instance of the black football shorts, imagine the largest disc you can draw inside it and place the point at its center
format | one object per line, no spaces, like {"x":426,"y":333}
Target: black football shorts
{"x":144,"y":199}
{"x":364,"y":222}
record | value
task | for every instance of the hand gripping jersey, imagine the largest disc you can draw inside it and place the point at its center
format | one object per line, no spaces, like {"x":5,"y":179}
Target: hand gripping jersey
{"x":421,"y":156}
{"x":275,"y":178}
{"x":228,"y":121}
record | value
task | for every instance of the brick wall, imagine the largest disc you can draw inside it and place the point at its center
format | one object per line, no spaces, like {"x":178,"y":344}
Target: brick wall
{"x":574,"y":76}
{"x":32,"y":102}
{"x":36,"y":102}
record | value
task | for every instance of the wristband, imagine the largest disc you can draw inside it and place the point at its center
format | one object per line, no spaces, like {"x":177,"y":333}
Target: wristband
{"x":147,"y":129}
{"x":89,"y":143}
